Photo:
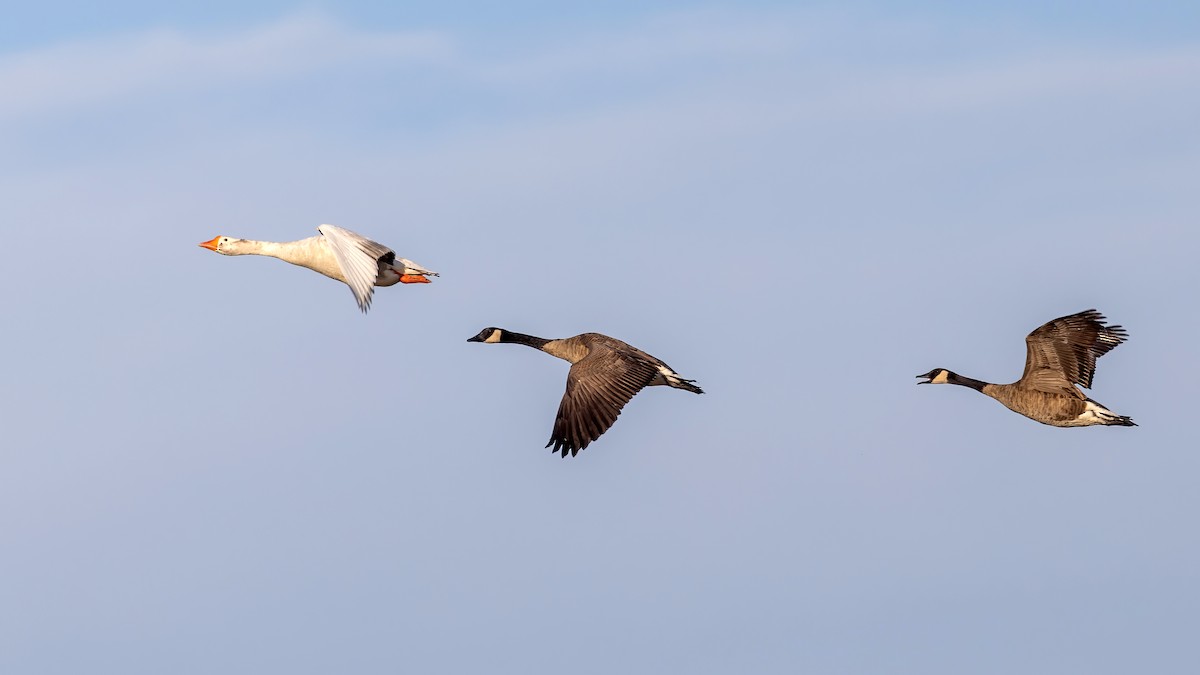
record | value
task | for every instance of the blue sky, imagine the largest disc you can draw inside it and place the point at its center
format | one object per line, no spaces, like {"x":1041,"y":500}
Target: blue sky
{"x":217,"y":465}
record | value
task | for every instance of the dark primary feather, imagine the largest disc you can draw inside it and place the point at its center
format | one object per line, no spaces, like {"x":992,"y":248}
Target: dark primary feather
{"x":376,"y":250}
{"x":1070,"y":346}
{"x":598,"y":387}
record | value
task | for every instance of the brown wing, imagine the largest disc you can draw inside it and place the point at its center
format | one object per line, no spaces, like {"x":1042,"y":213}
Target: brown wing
{"x":1063,"y":352}
{"x":598,"y":386}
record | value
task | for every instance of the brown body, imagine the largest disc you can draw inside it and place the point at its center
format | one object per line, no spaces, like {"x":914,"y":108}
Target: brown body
{"x":1059,"y":356}
{"x":1055,"y":409}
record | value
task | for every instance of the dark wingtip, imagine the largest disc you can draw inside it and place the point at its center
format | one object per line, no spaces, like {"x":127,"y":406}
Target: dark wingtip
{"x":561,"y":447}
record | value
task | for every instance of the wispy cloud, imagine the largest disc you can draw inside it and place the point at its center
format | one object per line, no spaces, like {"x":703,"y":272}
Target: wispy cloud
{"x":99,"y":71}
{"x":785,"y":63}
{"x":686,"y":40}
{"x":804,"y":100}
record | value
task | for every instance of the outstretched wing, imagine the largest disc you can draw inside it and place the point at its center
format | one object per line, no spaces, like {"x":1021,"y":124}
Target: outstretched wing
{"x":1063,"y":352}
{"x":358,"y":257}
{"x":598,"y":387}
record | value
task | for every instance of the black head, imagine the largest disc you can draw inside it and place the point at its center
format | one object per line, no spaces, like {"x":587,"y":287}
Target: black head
{"x":489,"y":334}
{"x":937,"y":376}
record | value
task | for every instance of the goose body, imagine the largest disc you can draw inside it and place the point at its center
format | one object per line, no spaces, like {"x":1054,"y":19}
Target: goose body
{"x":1059,"y":355}
{"x":339,"y":254}
{"x":605,"y":374}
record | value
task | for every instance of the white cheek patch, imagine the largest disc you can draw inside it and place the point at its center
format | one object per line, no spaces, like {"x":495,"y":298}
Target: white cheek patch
{"x":493,"y":338}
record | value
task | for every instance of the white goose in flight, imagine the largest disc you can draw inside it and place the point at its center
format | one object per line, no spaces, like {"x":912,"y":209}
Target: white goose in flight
{"x":337,"y":253}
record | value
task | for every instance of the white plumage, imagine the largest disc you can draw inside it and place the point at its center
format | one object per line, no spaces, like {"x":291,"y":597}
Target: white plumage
{"x":338,"y":253}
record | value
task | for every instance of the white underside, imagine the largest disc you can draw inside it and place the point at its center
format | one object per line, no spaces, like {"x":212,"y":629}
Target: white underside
{"x":1094,"y":413}
{"x":664,"y":376}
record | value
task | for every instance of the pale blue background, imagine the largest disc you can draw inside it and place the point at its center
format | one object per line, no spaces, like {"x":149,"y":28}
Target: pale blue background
{"x":216,"y":465}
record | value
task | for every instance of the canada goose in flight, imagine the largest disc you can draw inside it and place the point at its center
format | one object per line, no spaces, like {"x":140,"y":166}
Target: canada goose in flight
{"x":1060,"y":355}
{"x":605,"y":373}
{"x":339,"y":254}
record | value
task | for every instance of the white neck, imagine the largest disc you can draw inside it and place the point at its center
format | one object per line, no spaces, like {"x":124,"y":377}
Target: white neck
{"x":290,"y":251}
{"x":313,"y":253}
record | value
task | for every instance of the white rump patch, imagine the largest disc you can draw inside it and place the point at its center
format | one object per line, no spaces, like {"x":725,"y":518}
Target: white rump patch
{"x":664,"y":376}
{"x":1096,"y":414}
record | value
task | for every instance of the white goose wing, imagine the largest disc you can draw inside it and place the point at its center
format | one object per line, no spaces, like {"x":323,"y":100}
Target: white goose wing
{"x":359,"y":259}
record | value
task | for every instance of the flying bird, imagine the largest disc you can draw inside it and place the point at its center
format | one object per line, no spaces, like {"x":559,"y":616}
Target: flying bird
{"x":1060,"y":355}
{"x":337,"y":253}
{"x":605,"y":373}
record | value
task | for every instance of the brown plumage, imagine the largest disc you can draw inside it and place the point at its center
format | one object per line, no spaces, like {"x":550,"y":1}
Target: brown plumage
{"x":605,"y":374}
{"x":1059,"y":355}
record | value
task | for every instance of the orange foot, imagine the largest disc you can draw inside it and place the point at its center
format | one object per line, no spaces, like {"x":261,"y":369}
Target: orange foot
{"x":413,"y":279}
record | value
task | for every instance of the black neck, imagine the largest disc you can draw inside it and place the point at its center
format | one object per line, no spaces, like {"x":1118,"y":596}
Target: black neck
{"x":954,"y":378}
{"x":522,"y":339}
